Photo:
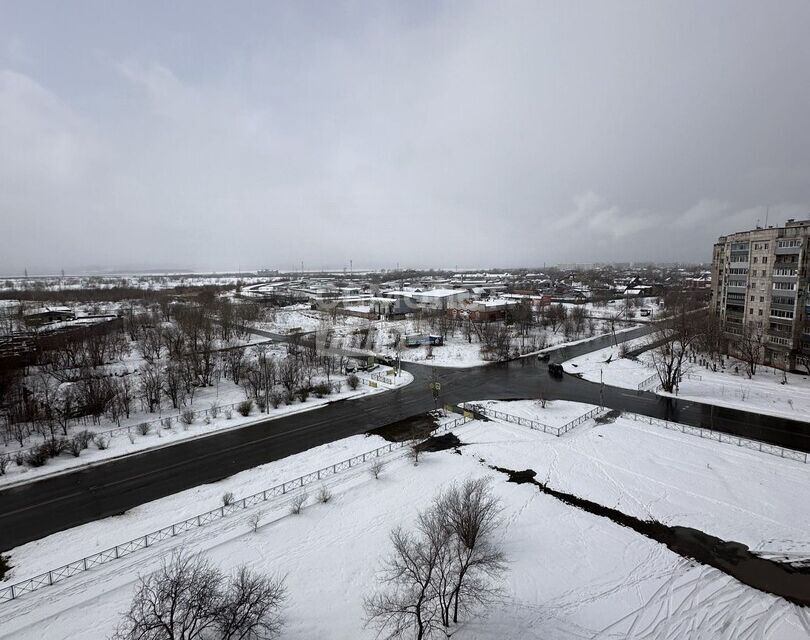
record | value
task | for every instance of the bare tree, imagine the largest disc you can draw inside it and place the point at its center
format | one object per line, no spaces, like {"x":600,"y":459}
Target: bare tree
{"x":471,"y":513}
{"x":254,"y":520}
{"x":250,"y":607}
{"x":673,"y":338}
{"x":190,"y":599}
{"x":409,"y":604}
{"x":449,"y":565}
{"x":750,"y":345}
{"x":376,"y":468}
{"x":151,"y":384}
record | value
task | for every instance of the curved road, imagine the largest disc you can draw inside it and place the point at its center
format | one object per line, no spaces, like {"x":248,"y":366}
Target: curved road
{"x":34,"y":510}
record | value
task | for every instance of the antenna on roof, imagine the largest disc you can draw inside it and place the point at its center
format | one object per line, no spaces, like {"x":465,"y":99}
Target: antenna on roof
{"x":767,"y":213}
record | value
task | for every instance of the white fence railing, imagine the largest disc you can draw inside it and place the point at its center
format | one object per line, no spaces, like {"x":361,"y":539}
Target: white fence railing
{"x":536,"y":424}
{"x":59,"y":574}
{"x":719,"y":436}
{"x":650,"y":384}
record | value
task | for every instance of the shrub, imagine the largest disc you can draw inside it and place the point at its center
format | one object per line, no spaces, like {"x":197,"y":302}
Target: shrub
{"x":254,"y":521}
{"x":228,"y":413}
{"x":303,"y":393}
{"x":227,"y":498}
{"x":298,"y":502}
{"x":289,"y":397}
{"x":37,"y":456}
{"x":276,"y":398}
{"x":75,"y":447}
{"x":19,"y":458}
{"x":207,"y":420}
{"x":187,"y":416}
{"x":322,"y":389}
{"x":55,"y":447}
{"x":245,"y":407}
{"x":166,"y":422}
{"x":84,"y":437}
{"x":214,"y":410}
{"x":324,"y":495}
{"x":144,"y":428}
{"x":261,"y":404}
{"x":336,"y":386}
{"x":102,"y":442}
{"x":4,"y":462}
{"x":353,"y":381}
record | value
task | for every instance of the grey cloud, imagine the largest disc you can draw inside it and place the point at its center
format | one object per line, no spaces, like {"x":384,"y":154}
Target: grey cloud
{"x":474,"y":134}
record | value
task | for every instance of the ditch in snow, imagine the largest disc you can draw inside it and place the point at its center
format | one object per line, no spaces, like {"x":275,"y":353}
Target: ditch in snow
{"x":788,"y":581}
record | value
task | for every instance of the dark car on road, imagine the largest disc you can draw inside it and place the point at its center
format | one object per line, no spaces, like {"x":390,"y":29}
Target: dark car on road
{"x":555,"y":369}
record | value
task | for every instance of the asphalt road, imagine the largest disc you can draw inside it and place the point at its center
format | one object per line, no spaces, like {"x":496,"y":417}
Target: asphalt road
{"x":32,"y":511}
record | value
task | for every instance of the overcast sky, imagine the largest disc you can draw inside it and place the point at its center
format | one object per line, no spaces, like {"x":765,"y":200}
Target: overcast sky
{"x":243,"y":135}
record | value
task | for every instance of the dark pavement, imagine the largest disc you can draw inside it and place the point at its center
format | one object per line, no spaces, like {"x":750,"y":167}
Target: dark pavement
{"x":34,"y":510}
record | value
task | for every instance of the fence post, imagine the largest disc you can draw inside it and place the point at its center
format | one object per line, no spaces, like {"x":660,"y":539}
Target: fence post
{"x":50,"y":578}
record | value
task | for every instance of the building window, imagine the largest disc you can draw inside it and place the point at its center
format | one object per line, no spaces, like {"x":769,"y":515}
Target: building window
{"x":764,"y":259}
{"x":788,"y":244}
{"x":760,"y":312}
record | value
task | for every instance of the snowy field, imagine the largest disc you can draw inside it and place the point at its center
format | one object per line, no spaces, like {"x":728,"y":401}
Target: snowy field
{"x":132,"y":441}
{"x":764,"y":393}
{"x":571,"y":574}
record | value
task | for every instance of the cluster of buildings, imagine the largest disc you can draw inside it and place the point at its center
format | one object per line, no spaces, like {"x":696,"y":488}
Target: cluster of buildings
{"x":760,"y":282}
{"x":483,"y":296}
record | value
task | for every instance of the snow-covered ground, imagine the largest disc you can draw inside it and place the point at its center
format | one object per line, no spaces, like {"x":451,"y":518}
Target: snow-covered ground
{"x":613,"y":369}
{"x":630,"y":309}
{"x":132,"y":441}
{"x":571,"y":574}
{"x":380,"y":336}
{"x":764,"y":393}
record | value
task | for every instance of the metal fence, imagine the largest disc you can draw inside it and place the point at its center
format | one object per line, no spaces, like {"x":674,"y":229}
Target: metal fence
{"x":650,"y":384}
{"x":126,"y":548}
{"x":383,"y":377}
{"x":578,"y":421}
{"x":508,"y":417}
{"x":535,"y":424}
{"x":719,"y":436}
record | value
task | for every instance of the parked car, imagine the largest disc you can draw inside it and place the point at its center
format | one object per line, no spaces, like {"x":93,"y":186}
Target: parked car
{"x":543,"y":357}
{"x":555,"y":369}
{"x":351,"y":367}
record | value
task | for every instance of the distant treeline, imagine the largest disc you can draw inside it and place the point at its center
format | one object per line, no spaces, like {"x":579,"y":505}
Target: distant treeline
{"x":113,"y":294}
